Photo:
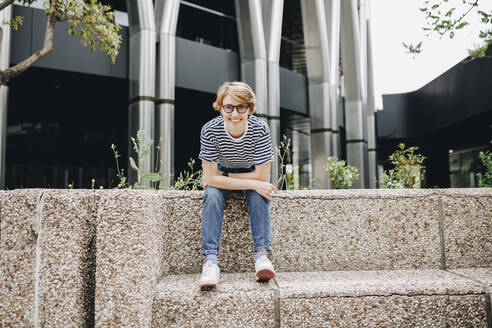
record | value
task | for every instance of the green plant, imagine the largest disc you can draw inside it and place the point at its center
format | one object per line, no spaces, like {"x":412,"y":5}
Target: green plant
{"x":408,"y":170}
{"x":119,"y":173}
{"x":283,"y":153}
{"x":142,"y":149}
{"x":189,"y":180}
{"x":341,"y":175}
{"x":485,"y":179}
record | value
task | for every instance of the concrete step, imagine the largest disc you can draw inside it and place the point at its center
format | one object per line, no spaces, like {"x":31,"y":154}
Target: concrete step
{"x":389,"y":298}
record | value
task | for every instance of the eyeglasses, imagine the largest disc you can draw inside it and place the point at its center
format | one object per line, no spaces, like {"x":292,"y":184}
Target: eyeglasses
{"x":241,"y":109}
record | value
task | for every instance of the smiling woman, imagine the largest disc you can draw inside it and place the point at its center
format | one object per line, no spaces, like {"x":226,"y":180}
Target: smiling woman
{"x":236,"y":153}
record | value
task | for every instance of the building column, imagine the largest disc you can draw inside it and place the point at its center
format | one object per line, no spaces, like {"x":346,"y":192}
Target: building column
{"x":252,"y":51}
{"x":272,"y":22}
{"x":354,"y":104}
{"x":166,"y":12}
{"x":314,"y":23}
{"x":142,"y":79}
{"x":332,"y":9}
{"x":5,"y":15}
{"x":371,"y":114}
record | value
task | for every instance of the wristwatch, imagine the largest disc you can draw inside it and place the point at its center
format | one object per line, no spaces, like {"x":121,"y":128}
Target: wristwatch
{"x":225,"y":174}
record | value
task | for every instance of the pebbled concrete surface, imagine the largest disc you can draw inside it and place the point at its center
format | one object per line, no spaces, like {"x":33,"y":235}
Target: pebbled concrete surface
{"x":237,"y":301}
{"x":129,"y":247}
{"x":18,"y":257}
{"x":403,"y":298}
{"x":94,"y":257}
{"x":467,"y":228}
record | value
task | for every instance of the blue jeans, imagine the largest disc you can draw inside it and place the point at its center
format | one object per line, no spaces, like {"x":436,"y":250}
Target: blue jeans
{"x":214,"y":201}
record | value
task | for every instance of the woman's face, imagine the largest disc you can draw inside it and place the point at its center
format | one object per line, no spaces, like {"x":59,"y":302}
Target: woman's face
{"x":235,"y":121}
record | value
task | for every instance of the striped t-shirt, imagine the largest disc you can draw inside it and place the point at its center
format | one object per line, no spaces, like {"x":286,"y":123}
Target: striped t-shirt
{"x":254,"y":147}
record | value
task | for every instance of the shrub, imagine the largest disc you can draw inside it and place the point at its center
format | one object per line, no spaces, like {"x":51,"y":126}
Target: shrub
{"x":341,"y":175}
{"x":408,"y":170}
{"x":485,"y":179}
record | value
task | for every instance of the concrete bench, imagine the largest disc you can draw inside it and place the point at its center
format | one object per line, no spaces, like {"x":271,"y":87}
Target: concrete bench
{"x":103,"y":257}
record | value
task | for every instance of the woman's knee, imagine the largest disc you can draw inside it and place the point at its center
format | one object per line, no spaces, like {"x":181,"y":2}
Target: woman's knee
{"x":255,"y":197}
{"x":213,"y":194}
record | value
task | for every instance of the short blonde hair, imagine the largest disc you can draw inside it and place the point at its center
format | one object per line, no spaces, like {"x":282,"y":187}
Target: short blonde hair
{"x":240,"y":91}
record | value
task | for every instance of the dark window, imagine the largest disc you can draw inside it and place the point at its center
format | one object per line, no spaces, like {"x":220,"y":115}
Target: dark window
{"x":115,"y":4}
{"x":205,"y":27}
{"x":224,"y":6}
{"x":60,"y":129}
{"x":292,"y":52}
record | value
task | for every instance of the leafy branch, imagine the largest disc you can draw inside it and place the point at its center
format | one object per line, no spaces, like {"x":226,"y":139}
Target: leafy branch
{"x":442,"y":19}
{"x":91,"y":20}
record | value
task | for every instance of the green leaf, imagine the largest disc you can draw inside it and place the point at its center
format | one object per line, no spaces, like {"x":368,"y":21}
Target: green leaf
{"x":133,"y":165}
{"x":461,"y":25}
{"x":152,"y":176}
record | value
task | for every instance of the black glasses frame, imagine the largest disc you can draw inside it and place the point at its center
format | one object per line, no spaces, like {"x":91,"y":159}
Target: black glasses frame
{"x":241,"y":109}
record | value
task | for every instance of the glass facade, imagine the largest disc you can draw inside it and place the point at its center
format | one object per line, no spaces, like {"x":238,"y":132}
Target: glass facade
{"x":212,"y":27}
{"x":463,"y":167}
{"x":119,"y":5}
{"x":60,"y":128}
{"x":292,"y":51}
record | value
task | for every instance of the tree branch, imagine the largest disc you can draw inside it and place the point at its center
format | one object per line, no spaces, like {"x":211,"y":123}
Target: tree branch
{"x":14,"y":71}
{"x":6,"y":3}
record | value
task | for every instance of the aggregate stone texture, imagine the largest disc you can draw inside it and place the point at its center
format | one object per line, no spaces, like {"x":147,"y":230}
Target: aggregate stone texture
{"x":66,"y":259}
{"x":398,"y":298}
{"x":467,"y":225}
{"x":129,"y":239}
{"x":391,"y":311}
{"x":18,"y":256}
{"x":237,"y":301}
{"x":355,"y":230}
{"x":4,"y":195}
{"x":483,"y":275}
{"x":183,"y":234}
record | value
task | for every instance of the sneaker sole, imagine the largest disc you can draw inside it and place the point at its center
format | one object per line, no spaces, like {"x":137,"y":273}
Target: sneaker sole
{"x":208,"y":285}
{"x":265,"y":274}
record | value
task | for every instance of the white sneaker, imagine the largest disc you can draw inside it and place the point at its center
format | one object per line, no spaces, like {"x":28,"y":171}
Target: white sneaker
{"x":264,"y":268}
{"x":210,"y":274}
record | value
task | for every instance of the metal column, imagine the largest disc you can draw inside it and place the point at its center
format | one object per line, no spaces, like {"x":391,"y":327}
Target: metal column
{"x":354,"y":106}
{"x":166,"y":12}
{"x":332,"y":9}
{"x":142,"y":78}
{"x":5,"y":15}
{"x":272,"y":18}
{"x":319,"y":85}
{"x":252,"y":50}
{"x":371,"y":109}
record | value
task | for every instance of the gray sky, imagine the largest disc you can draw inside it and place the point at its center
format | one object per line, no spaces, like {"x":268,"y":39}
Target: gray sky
{"x":397,"y":21}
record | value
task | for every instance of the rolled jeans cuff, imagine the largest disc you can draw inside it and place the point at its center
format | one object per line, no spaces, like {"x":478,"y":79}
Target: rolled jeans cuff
{"x":268,"y":248}
{"x":210,"y":251}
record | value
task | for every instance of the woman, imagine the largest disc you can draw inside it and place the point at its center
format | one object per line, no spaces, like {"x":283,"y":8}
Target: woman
{"x":236,"y":153}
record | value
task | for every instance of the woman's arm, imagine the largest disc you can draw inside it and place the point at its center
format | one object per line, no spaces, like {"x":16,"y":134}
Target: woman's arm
{"x":262,"y":172}
{"x":212,"y":178}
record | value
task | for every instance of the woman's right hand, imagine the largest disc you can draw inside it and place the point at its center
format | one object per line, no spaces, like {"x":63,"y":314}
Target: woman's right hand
{"x":265,"y":189}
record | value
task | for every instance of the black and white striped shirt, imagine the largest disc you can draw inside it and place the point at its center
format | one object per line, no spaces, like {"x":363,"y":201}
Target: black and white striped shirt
{"x":254,"y":147}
